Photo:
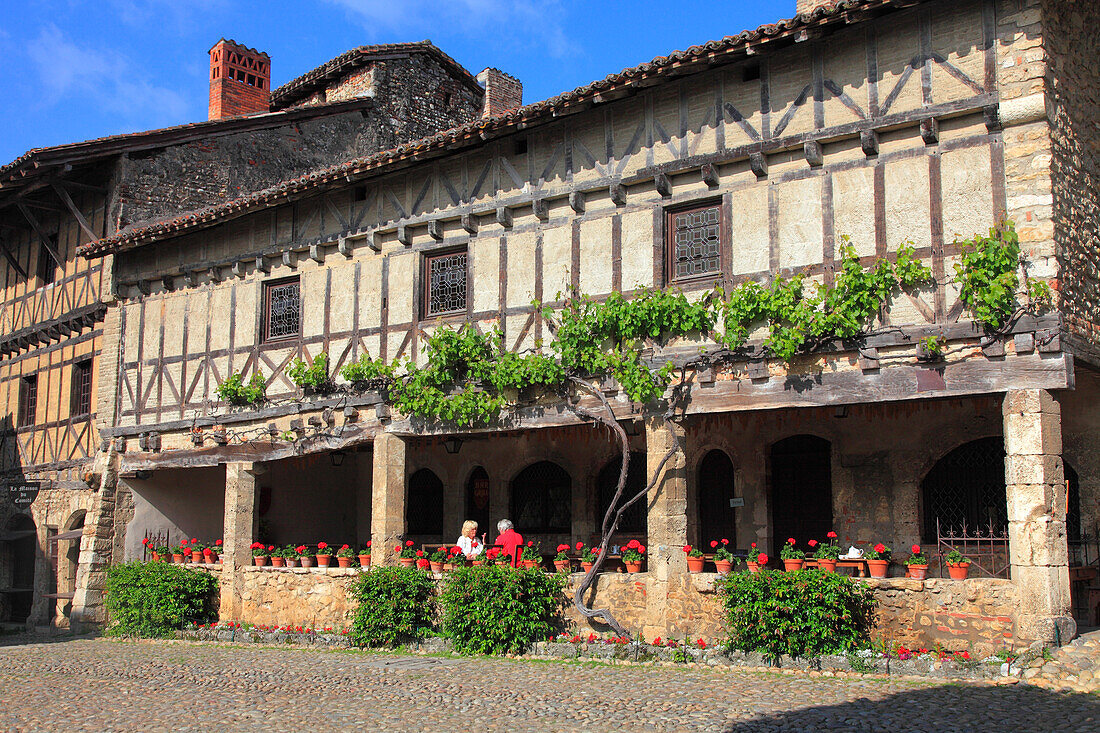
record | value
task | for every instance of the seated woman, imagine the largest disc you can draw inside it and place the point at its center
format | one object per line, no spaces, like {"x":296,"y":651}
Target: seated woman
{"x":469,"y":543}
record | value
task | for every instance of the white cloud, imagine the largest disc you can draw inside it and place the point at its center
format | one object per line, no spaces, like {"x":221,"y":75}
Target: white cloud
{"x":527,"y":22}
{"x":113,"y":83}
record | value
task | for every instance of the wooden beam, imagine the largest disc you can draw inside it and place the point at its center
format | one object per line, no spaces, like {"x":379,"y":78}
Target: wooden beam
{"x":68,"y":201}
{"x":45,"y":239}
{"x":10,"y":257}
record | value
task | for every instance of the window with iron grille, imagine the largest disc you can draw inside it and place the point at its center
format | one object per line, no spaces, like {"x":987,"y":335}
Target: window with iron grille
{"x":47,"y":268}
{"x":633,"y":521}
{"x":282,"y":310}
{"x":445,"y":281}
{"x":28,"y":404}
{"x":81,"y":402}
{"x":695,"y":238}
{"x":424,"y":515}
{"x":542,"y":497}
{"x":966,"y":489}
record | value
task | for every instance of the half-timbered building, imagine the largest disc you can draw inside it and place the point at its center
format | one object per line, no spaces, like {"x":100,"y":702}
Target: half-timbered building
{"x":881,"y":122}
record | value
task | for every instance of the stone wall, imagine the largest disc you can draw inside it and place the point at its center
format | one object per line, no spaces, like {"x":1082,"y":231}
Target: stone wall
{"x":312,"y":597}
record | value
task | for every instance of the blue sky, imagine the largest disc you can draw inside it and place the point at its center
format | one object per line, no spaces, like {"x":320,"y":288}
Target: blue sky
{"x":78,"y":69}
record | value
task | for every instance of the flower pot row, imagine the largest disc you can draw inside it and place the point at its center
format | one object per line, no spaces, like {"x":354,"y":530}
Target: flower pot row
{"x":180,"y":558}
{"x":309,"y":561}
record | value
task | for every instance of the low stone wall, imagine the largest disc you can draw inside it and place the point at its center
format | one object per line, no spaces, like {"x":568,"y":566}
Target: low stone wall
{"x":314,"y":597}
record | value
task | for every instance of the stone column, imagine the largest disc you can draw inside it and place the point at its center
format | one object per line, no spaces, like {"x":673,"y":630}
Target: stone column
{"x":238,"y":533}
{"x":1037,"y":504}
{"x":88,"y":610}
{"x":388,"y":501}
{"x":667,"y":524}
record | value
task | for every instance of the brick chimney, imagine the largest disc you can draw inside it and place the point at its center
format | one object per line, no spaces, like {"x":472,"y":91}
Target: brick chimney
{"x":240,"y":80}
{"x":503,"y":92}
{"x":807,"y":6}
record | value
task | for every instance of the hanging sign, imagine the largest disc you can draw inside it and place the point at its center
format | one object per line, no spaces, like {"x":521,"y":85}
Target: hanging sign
{"x":737,"y":501}
{"x":23,"y":493}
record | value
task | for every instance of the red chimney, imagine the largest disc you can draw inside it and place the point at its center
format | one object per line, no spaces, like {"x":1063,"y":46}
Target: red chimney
{"x":240,"y":80}
{"x":503,"y":92}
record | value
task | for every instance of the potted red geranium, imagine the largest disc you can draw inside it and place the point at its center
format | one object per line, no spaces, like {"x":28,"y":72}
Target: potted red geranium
{"x":753,"y":561}
{"x":290,"y":556}
{"x":723,"y":558}
{"x":324,"y":555}
{"x":259,"y":554}
{"x":633,"y":556}
{"x":694,"y":559}
{"x":561,"y":560}
{"x":917,"y":563}
{"x":760,"y":563}
{"x":792,"y":557}
{"x":406,"y":555}
{"x":305,"y":557}
{"x":957,"y":565}
{"x":436,"y":559}
{"x":588,"y":555}
{"x":364,"y":556}
{"x":278,"y":557}
{"x":878,"y":560}
{"x":195,"y":550}
{"x":344,"y":556}
{"x":531,"y":557}
{"x":826,"y":553}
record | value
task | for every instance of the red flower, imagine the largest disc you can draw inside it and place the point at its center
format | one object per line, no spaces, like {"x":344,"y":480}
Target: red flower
{"x":530,"y":544}
{"x":420,"y":553}
{"x":408,"y":543}
{"x":591,"y":638}
{"x":596,"y":550}
{"x":194,"y":540}
{"x":657,"y":641}
{"x":790,"y":541}
{"x":322,"y":545}
{"x":880,"y":547}
{"x":641,"y":549}
{"x":270,"y":548}
{"x":342,"y":547}
{"x":634,"y":544}
{"x":397,"y":549}
{"x":563,"y":548}
{"x":145,"y":541}
{"x":687,"y":549}
{"x":754,"y":545}
{"x":915,"y":549}
{"x":580,"y":546}
{"x":812,"y":543}
{"x":831,"y":535}
{"x":256,"y":546}
{"x":218,"y":543}
{"x":725,"y":542}
{"x":714,"y":543}
{"x":368,"y":543}
{"x":702,"y":644}
{"x":301,"y":549}
{"x":762,"y":559}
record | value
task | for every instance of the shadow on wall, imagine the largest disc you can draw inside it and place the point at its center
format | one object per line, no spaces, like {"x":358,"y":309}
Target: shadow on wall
{"x":954,"y":707}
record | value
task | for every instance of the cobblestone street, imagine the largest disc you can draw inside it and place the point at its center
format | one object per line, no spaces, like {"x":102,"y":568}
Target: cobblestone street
{"x":101,"y":685}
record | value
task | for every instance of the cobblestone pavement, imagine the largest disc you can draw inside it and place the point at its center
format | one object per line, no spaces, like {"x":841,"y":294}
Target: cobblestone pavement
{"x":107,"y":685}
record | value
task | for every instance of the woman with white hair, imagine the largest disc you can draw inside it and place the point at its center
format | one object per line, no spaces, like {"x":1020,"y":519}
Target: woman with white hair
{"x":469,"y":543}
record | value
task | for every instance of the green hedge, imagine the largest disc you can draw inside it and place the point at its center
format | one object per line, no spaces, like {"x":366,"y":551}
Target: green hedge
{"x":396,"y":605}
{"x":156,"y":598}
{"x":497,"y":609}
{"x":805,"y":613}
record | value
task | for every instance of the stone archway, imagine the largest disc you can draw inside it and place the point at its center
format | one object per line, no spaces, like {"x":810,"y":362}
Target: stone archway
{"x":801,"y":489}
{"x":717,"y":516}
{"x":18,"y":551}
{"x":68,"y":556}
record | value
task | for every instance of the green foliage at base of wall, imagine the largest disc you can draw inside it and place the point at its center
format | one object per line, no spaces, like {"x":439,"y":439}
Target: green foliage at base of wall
{"x":396,"y":605}
{"x":153,"y":599}
{"x":805,"y":613}
{"x":499,"y":609}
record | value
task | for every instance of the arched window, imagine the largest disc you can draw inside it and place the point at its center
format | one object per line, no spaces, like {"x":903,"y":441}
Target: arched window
{"x":542,"y":496}
{"x":967,"y":488}
{"x":802,"y":489}
{"x":424,"y":512}
{"x":633,"y":521}
{"x":717,"y":519}
{"x":477,"y":500}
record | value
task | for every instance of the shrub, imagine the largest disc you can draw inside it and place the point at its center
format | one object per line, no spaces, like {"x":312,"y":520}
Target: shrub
{"x":805,"y":613}
{"x":395,"y":606}
{"x":497,"y":609}
{"x":155,"y":598}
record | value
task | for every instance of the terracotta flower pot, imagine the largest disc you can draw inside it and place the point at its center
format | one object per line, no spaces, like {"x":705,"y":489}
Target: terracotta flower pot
{"x":754,"y":567}
{"x":208,"y":556}
{"x":196,"y":556}
{"x":633,"y":567}
{"x":437,"y":567}
{"x":323,"y":561}
{"x":877,"y":568}
{"x":586,"y":566}
{"x":259,"y":561}
{"x":723,"y":566}
{"x":156,"y":556}
{"x":695,"y":564}
{"x":423,"y":563}
{"x":477,"y":563}
{"x":791,"y":564}
{"x":292,"y":562}
{"x":344,"y":562}
{"x":918,"y":572}
{"x":530,"y":563}
{"x":307,"y":562}
{"x":562,"y":566}
{"x":828,"y":565}
{"x":958,"y":570}
{"x":407,"y":562}
{"x":364,"y":561}
{"x":278,"y":562}
{"x":177,"y":557}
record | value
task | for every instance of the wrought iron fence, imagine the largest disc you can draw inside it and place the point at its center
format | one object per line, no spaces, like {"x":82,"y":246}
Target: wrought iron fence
{"x":986,"y":547}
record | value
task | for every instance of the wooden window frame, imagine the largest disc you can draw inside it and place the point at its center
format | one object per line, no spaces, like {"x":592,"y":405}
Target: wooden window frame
{"x":80,"y":401}
{"x":46,"y":264}
{"x":426,"y":283}
{"x":723,"y":241}
{"x":265,"y":314}
{"x":28,"y":402}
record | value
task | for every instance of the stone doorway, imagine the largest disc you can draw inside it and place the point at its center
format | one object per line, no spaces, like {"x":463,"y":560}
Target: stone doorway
{"x":801,"y":489}
{"x":19,"y":551}
{"x":717,"y":518}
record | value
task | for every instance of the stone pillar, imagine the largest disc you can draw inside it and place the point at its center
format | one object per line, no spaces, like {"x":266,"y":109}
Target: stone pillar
{"x":388,"y":501}
{"x":1037,"y":505}
{"x":238,"y":533}
{"x":667,"y":520}
{"x":88,"y":609}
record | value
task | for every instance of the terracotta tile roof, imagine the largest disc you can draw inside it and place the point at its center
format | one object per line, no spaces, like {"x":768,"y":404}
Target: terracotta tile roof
{"x":474,"y":133}
{"x":297,"y":89}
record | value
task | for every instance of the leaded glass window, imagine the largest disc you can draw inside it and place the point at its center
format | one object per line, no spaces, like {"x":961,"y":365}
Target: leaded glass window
{"x":695,"y":242}
{"x":446,"y":280}
{"x":283,"y":311}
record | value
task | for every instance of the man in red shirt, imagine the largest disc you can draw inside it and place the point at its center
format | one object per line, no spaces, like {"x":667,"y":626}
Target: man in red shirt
{"x":509,"y":541}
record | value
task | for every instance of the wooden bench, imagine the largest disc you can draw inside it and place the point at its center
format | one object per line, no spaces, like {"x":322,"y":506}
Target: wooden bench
{"x":859,"y":564}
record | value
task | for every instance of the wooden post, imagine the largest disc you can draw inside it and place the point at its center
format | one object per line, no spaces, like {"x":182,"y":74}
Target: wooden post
{"x":388,"y":501}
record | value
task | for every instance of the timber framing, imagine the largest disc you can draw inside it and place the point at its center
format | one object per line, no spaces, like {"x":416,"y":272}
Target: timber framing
{"x":58,"y":328}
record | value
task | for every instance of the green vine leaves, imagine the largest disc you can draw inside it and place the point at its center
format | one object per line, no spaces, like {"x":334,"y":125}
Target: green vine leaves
{"x":469,"y":377}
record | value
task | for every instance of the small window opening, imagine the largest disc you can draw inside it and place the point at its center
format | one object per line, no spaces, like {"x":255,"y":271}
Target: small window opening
{"x":521,"y":146}
{"x":359,"y":193}
{"x":750,"y":72}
